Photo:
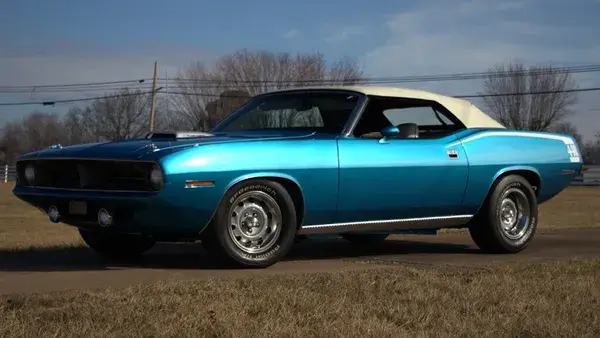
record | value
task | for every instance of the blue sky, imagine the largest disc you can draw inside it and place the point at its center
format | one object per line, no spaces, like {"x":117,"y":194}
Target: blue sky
{"x":46,"y":42}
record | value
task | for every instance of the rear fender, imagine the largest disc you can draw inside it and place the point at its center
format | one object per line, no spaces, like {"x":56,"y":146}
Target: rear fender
{"x":507,"y":171}
{"x":510,"y":169}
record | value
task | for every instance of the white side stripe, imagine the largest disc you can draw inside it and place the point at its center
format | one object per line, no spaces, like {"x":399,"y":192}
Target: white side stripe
{"x":564,"y":139}
{"x":574,"y":155}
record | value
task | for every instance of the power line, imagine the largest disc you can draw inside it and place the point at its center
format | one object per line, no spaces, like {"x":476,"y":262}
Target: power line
{"x":53,"y":102}
{"x":74,"y":84}
{"x":249,"y":84}
{"x":91,"y":86}
{"x":78,"y":89}
{"x":456,"y":96}
{"x":591,"y":89}
{"x":404,"y":79}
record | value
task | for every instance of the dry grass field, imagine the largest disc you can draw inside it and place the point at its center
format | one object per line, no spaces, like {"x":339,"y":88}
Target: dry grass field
{"x":548,"y":299}
{"x":540,"y":299}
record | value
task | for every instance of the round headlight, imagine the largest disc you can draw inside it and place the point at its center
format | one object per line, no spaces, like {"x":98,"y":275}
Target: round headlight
{"x":156,"y":178}
{"x":29,"y":174}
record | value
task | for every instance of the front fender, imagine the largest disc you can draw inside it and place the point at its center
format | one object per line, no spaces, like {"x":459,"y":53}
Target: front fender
{"x":245,"y":177}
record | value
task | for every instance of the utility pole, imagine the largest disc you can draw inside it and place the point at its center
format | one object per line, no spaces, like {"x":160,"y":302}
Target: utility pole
{"x":152,"y":104}
{"x":167,"y":91}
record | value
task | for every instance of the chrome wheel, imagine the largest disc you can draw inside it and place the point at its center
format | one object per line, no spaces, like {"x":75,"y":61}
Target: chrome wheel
{"x":255,"y":222}
{"x":514,"y":214}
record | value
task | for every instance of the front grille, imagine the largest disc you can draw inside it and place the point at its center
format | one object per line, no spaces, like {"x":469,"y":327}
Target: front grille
{"x":84,"y":174}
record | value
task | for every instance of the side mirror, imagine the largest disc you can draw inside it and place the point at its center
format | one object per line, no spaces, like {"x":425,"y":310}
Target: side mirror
{"x":390,"y":131}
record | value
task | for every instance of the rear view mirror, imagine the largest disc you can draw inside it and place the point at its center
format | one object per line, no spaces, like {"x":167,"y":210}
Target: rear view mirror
{"x":390,"y":131}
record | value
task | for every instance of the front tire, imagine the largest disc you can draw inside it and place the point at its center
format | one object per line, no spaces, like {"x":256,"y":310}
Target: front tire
{"x":508,"y":219}
{"x":116,"y":245}
{"x":254,"y":226}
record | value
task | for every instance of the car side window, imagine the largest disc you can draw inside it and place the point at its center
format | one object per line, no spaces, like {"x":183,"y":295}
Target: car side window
{"x":421,"y":116}
{"x":279,"y":118}
{"x":321,"y":111}
{"x":415,"y":118}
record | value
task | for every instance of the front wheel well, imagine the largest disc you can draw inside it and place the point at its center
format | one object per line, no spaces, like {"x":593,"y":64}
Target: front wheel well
{"x":294,"y":190}
{"x":289,"y":185}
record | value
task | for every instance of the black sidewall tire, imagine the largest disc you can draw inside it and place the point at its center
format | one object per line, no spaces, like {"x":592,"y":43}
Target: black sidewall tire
{"x":218,"y":231}
{"x":493,"y":236}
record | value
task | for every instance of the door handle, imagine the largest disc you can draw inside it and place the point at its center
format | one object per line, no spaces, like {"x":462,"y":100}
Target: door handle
{"x":452,"y":153}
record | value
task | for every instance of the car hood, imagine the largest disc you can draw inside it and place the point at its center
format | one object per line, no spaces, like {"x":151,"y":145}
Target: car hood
{"x":138,"y":148}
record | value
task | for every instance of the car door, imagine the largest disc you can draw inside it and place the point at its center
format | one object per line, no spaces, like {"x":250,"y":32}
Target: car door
{"x":400,"y":178}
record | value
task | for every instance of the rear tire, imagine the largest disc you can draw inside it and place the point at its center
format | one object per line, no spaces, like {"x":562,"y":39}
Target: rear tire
{"x":116,"y":245}
{"x":254,"y":226}
{"x":508,"y":219}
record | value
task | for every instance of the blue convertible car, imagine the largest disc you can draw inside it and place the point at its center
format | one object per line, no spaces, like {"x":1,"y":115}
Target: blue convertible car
{"x":361,"y":162}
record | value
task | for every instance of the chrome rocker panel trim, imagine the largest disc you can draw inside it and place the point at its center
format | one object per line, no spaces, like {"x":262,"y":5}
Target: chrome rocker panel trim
{"x":391,"y":224}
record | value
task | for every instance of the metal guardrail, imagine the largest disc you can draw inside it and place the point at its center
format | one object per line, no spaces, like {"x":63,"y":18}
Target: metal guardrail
{"x":10,"y":173}
{"x":590,"y":177}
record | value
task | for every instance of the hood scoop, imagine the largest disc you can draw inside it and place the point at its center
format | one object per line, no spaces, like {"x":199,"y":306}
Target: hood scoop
{"x":175,"y":135}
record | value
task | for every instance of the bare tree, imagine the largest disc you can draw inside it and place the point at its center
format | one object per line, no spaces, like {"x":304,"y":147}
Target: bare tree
{"x":120,"y":115}
{"x":256,"y":72}
{"x":591,"y":150}
{"x":568,"y":128}
{"x":249,"y":73}
{"x":346,"y":72}
{"x":12,"y":132}
{"x":227,"y":102}
{"x":537,"y":112}
{"x":40,"y":131}
{"x":79,"y":126}
{"x":198,"y":86}
{"x":35,"y":132}
{"x":165,"y":118}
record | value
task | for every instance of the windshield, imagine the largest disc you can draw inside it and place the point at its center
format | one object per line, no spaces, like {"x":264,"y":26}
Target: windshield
{"x":322,"y":112}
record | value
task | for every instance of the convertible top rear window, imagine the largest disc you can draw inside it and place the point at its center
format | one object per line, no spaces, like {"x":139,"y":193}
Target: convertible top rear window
{"x":322,"y":111}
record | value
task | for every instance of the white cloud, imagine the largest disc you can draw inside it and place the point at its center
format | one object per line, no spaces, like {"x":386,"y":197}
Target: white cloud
{"x":471,"y":37}
{"x":447,"y":38}
{"x":345,"y":33}
{"x":291,"y":33}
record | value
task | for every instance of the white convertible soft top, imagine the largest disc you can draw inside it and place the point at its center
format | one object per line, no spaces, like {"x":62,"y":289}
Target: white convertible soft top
{"x":469,"y":114}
